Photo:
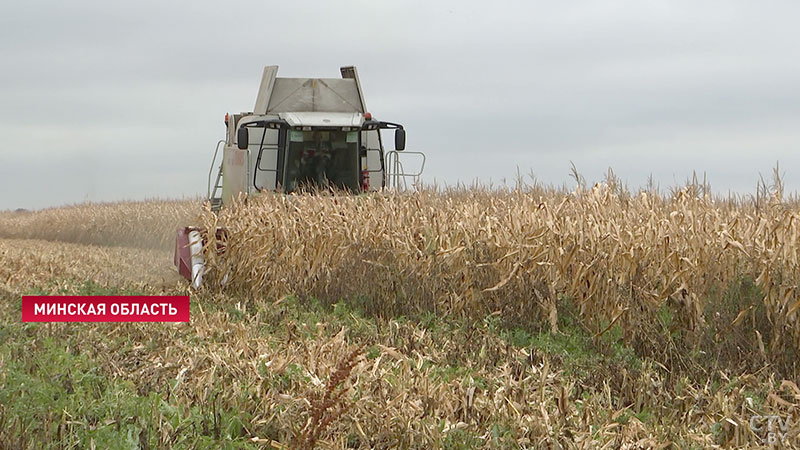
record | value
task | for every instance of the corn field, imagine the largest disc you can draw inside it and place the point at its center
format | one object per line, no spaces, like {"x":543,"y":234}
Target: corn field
{"x":521,"y":318}
{"x":146,"y":224}
{"x":620,"y":258}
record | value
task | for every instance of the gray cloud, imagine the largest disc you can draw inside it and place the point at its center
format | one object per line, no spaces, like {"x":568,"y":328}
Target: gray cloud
{"x":105,"y":101}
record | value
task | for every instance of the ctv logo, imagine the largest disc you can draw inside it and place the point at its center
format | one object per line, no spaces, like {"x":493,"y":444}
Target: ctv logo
{"x":770,"y":429}
{"x":105,"y":308}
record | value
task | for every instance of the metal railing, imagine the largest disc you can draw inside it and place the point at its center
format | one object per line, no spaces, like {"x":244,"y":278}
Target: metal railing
{"x":396,"y":176}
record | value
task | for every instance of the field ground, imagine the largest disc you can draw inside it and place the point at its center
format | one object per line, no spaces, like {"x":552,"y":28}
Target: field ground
{"x":253,"y":371}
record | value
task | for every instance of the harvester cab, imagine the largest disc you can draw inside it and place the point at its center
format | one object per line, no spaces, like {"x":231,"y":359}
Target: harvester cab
{"x":303,"y":133}
{"x":309,"y":132}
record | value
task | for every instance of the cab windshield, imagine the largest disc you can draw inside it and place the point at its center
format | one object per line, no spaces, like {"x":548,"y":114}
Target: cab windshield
{"x":321,"y":159}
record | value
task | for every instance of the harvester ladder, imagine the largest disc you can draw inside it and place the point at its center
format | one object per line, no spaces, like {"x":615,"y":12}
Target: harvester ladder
{"x":213,"y":197}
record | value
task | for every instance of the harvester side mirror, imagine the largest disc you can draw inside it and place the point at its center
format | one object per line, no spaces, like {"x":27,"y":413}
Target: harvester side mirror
{"x":399,"y":139}
{"x":242,"y":138}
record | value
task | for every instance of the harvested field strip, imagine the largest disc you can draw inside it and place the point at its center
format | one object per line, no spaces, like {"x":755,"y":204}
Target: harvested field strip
{"x":26,"y":263}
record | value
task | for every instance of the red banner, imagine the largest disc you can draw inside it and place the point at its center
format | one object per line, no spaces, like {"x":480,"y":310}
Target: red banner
{"x":83,"y":308}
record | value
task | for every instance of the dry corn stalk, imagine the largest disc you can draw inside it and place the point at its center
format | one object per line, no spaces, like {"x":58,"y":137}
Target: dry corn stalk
{"x":619,"y":257}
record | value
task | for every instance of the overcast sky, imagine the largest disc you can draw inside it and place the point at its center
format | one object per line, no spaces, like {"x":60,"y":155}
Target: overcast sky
{"x":103,"y":101}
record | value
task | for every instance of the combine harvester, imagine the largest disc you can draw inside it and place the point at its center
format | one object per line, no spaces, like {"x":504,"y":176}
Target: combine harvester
{"x":303,"y":133}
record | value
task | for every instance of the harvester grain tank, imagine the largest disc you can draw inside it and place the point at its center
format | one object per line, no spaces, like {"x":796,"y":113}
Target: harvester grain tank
{"x":303,"y":133}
